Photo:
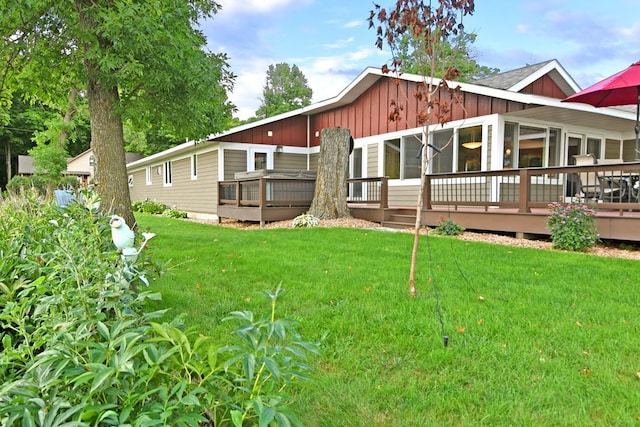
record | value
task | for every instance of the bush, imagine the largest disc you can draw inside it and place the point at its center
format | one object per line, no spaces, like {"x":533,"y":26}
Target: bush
{"x":448,"y":228}
{"x":174,"y":213}
{"x":305,"y":221}
{"x":149,"y":206}
{"x":572,"y":226}
{"x":78,"y":347}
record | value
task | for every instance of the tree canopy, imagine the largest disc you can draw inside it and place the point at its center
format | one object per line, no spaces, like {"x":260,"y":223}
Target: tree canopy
{"x":143,"y":62}
{"x":286,"y":89}
{"x":456,"y":52}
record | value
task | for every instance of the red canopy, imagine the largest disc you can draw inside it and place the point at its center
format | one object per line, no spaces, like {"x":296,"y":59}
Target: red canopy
{"x":622,"y":88}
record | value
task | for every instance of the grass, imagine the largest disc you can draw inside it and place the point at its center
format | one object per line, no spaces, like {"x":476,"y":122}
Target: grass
{"x":535,"y":337}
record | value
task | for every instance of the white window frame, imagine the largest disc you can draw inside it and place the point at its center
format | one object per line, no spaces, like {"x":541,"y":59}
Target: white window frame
{"x":148,"y":175}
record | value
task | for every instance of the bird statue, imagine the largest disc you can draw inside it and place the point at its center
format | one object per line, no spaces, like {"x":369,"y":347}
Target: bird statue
{"x":122,"y":236}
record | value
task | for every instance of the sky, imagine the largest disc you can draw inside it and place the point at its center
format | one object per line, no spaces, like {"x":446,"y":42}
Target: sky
{"x":329,"y":40}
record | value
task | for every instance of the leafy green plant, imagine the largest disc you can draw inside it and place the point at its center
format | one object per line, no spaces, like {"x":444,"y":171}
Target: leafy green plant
{"x":305,"y":221}
{"x":174,"y":213}
{"x":448,"y":227}
{"x":80,"y":347}
{"x":149,"y":206}
{"x":269,"y":357}
{"x":572,"y":226}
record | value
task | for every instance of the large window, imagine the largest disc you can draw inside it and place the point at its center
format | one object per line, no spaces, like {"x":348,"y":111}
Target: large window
{"x":470,"y":149}
{"x":531,"y":146}
{"x":441,"y":158}
{"x":402,"y":157}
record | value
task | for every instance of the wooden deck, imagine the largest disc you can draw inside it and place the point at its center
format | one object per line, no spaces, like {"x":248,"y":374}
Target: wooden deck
{"x":510,"y":201}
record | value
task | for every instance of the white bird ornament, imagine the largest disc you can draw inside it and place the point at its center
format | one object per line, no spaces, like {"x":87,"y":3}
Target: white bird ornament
{"x":122,"y":236}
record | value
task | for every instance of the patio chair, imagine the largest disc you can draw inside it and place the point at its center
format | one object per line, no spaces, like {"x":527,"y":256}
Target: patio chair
{"x":595,"y":185}
{"x":589,"y":183}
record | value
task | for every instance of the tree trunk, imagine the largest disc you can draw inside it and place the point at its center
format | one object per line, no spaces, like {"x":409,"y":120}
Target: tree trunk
{"x":107,"y":137}
{"x":330,"y":199}
{"x":7,"y":153}
{"x":107,"y":142}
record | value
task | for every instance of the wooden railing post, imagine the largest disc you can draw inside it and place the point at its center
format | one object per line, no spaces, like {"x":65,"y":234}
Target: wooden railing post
{"x":384,"y":192}
{"x":525,"y":190}
{"x":238,"y":191}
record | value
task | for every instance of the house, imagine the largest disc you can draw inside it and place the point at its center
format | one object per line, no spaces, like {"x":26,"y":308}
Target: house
{"x":512,"y":120}
{"x":81,"y":166}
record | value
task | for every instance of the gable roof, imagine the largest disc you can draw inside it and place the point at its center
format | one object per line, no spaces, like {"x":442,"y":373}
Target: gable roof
{"x":507,"y":86}
{"x":518,"y":79}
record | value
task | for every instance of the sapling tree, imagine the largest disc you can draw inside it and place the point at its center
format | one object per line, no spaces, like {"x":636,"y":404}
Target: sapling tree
{"x":429,"y":29}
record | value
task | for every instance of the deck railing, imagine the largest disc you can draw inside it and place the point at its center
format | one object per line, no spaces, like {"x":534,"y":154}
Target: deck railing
{"x":368,"y":191}
{"x":611,"y":186}
{"x":267,"y":192}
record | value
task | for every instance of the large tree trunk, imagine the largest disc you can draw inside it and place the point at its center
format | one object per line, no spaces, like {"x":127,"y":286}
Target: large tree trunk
{"x":330,"y":199}
{"x":107,"y":142}
{"x":107,"y":138}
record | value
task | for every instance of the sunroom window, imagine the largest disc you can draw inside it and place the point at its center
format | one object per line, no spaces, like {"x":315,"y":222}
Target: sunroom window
{"x":469,"y":149}
{"x":402,"y":157}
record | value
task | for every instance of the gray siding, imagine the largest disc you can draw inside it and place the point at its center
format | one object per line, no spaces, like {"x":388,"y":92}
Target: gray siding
{"x":289,"y":161}
{"x":198,"y":195}
{"x":234,"y":161}
{"x":313,"y":161}
{"x":372,"y":161}
{"x":406,"y":195}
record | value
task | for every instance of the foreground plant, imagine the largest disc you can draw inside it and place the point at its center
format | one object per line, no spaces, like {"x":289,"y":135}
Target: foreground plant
{"x":270,"y":356}
{"x":572,"y":226}
{"x":79,"y":347}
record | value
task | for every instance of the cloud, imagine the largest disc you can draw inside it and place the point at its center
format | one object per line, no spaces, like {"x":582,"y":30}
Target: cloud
{"x":245,"y":7}
{"x":339,"y":44}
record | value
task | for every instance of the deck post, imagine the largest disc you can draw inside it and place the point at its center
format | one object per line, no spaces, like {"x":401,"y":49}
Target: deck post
{"x":238,"y":191}
{"x":525,"y":190}
{"x":384,"y":192}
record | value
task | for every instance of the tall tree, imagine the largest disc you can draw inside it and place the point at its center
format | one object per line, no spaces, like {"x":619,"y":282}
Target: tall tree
{"x":457,"y":50}
{"x":286,"y":89}
{"x":427,"y":29}
{"x":137,"y":60}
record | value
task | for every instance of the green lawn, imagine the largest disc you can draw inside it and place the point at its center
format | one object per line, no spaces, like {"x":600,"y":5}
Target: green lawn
{"x":536,"y":337}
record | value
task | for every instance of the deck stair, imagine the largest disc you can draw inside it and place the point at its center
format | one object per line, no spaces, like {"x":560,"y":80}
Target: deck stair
{"x":399,"y":218}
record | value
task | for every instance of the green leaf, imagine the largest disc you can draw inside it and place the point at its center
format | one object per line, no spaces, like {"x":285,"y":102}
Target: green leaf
{"x":236,"y":418}
{"x":249,"y":366}
{"x":266,"y":416}
{"x":101,"y":377}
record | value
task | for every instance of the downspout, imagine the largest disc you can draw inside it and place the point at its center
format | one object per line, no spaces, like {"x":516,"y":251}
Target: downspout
{"x":308,"y":142}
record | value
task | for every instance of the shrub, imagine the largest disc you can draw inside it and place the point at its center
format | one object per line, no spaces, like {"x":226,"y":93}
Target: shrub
{"x":149,"y":206}
{"x":572,"y":226}
{"x":448,"y":227}
{"x":78,"y":347}
{"x":305,"y":221}
{"x":174,"y":213}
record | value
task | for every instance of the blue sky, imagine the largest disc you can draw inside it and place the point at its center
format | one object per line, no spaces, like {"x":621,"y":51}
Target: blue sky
{"x":330,"y":42}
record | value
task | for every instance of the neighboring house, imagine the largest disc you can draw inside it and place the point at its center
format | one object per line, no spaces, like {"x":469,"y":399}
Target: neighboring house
{"x":512,"y":120}
{"x":81,"y":166}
